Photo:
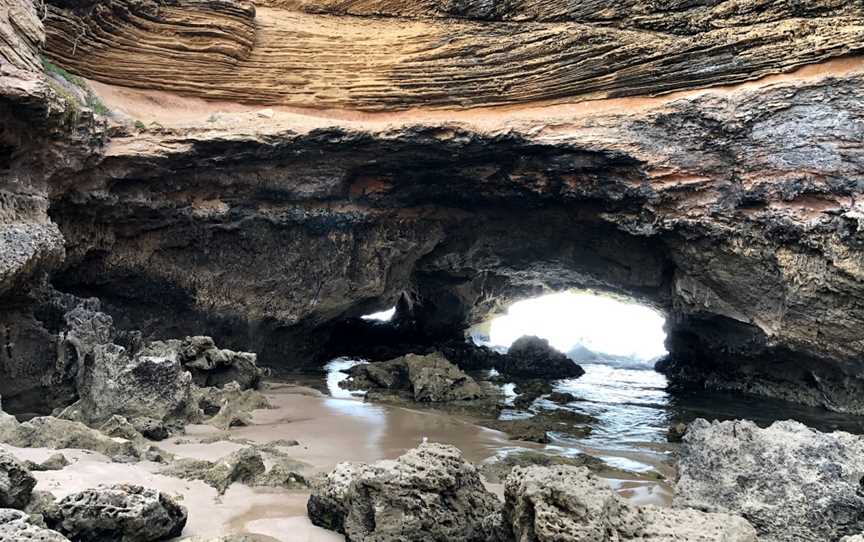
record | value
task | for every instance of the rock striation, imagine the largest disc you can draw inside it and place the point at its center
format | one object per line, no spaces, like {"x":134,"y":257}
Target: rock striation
{"x":565,"y":51}
{"x":789,"y":481}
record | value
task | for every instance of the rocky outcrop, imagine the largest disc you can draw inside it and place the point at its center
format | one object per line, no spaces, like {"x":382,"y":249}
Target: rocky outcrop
{"x":564,"y":52}
{"x":17,"y":526}
{"x":16,"y":482}
{"x":733,"y":211}
{"x":429,"y":493}
{"x":548,"y":504}
{"x":428,"y":379}
{"x":532,"y":357}
{"x":789,"y":481}
{"x":212,"y":366}
{"x":122,"y":512}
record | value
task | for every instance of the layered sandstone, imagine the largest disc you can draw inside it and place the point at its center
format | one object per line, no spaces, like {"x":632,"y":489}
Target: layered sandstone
{"x":402,"y":54}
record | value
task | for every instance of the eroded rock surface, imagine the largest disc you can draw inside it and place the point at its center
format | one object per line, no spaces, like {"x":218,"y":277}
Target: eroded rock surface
{"x":789,"y":481}
{"x":122,"y":512}
{"x":428,"y":379}
{"x":547,"y":504}
{"x":17,"y":526}
{"x":16,"y":482}
{"x":429,"y":493}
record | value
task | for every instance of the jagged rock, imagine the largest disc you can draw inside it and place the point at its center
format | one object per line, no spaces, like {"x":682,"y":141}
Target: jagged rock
{"x":54,"y":462}
{"x":429,"y":379}
{"x":16,"y":526}
{"x":791,"y":482}
{"x":676,"y":432}
{"x":150,"y":428}
{"x":532,"y":357}
{"x":235,"y":405}
{"x":50,"y":432}
{"x":241,"y":466}
{"x":121,"y":512}
{"x":211,"y":366}
{"x":530,"y":391}
{"x":429,"y":493}
{"x":496,"y":470}
{"x":547,"y":504}
{"x":16,"y":482}
{"x":283,"y":473}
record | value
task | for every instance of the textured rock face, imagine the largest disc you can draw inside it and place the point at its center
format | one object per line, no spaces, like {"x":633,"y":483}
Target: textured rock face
{"x":16,"y":482}
{"x":121,"y":513}
{"x":429,"y":379}
{"x":430,"y":493}
{"x":532,"y":357}
{"x":789,"y":481}
{"x":734,"y":211}
{"x":16,"y":526}
{"x":561,"y":51}
{"x":547,"y":504}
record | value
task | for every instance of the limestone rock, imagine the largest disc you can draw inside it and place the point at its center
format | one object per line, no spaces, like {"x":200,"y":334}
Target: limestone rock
{"x":532,"y":357}
{"x":16,"y":526}
{"x":54,"y":462}
{"x":16,"y":482}
{"x":212,"y":366}
{"x":429,"y":493}
{"x":235,"y":405}
{"x":54,"y":433}
{"x":791,"y":482}
{"x":241,"y":466}
{"x":121,"y":512}
{"x":429,"y":379}
{"x":547,"y":504}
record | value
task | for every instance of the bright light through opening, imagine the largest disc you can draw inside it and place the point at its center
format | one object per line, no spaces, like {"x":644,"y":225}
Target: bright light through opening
{"x":384,"y":316}
{"x":601,"y":324}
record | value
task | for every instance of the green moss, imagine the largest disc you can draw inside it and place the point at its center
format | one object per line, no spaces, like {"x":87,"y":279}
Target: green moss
{"x":91,"y":101}
{"x":140,"y":125}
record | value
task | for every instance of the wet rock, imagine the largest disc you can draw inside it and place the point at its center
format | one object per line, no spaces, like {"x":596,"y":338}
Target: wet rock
{"x":55,"y":462}
{"x":562,"y":398}
{"x":17,"y":526}
{"x":429,"y":379}
{"x":429,"y":493}
{"x":676,"y":432}
{"x":529,"y":391}
{"x":118,"y":513}
{"x":532,"y":357}
{"x":537,"y":427}
{"x":497,"y":469}
{"x":791,"y":482}
{"x":241,"y":466}
{"x":546,"y":504}
{"x":16,"y":482}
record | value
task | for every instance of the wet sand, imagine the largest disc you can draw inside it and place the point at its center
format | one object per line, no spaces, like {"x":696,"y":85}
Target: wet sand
{"x":329,"y":429}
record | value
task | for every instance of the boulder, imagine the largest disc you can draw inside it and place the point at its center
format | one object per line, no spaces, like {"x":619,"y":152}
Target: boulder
{"x":16,"y":482}
{"x":429,"y":493}
{"x":117,"y":513}
{"x":532,"y":357}
{"x":564,"y":503}
{"x":235,"y":405}
{"x":17,"y":526}
{"x":430,"y":378}
{"x":791,"y":482}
